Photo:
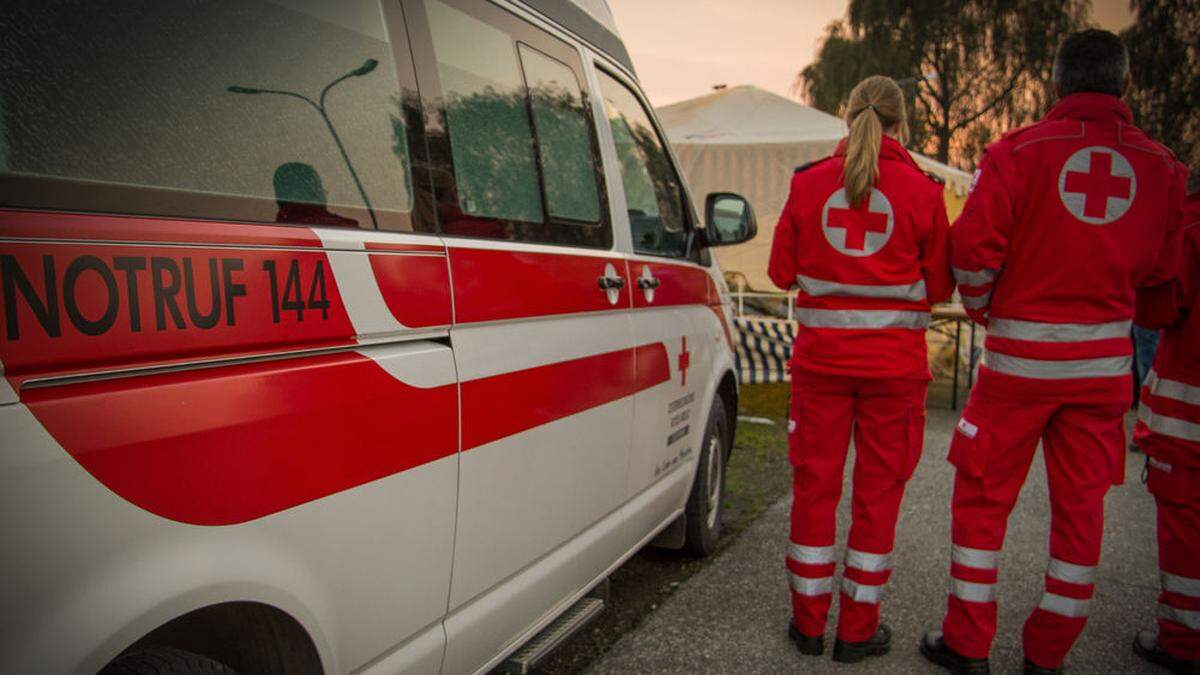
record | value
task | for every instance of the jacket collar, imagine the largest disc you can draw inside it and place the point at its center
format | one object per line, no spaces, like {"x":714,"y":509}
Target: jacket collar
{"x":1091,"y":108}
{"x":890,"y":148}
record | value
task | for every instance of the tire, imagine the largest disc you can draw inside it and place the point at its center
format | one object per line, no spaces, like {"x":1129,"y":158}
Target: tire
{"x":708,"y":489}
{"x":164,"y":661}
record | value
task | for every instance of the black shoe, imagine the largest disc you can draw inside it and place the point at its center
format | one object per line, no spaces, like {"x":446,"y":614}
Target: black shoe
{"x":1032,"y":668}
{"x":852,"y":652}
{"x":1145,"y":645}
{"x":810,"y":646}
{"x":934,"y":648}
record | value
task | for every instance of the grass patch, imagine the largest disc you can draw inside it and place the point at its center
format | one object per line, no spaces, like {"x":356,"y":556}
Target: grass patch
{"x":758,"y":473}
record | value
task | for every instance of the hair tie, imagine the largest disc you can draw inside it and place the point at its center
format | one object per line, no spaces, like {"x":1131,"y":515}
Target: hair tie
{"x":869,"y":105}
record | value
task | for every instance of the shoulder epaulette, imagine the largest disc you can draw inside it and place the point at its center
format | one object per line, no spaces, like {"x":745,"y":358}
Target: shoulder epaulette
{"x":935,"y":178}
{"x":806,"y":167}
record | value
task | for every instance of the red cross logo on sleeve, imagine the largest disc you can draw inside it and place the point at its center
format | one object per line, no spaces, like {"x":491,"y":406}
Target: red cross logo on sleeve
{"x":1097,"y":185}
{"x":685,"y":361}
{"x":859,"y":231}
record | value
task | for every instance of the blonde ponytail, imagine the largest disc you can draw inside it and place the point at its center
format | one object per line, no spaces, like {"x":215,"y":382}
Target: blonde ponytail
{"x":875,"y":105}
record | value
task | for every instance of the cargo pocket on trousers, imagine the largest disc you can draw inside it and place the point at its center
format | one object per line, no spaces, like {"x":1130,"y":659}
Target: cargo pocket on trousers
{"x":970,"y":448}
{"x":916,"y":441}
{"x":1169,"y":482}
{"x":795,"y":429}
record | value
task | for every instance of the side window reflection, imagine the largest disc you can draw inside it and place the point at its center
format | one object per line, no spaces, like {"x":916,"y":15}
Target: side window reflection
{"x":653,"y":194}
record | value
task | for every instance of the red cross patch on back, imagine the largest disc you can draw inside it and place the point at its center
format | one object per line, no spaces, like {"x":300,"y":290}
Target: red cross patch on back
{"x":859,"y":231}
{"x":1097,"y":185}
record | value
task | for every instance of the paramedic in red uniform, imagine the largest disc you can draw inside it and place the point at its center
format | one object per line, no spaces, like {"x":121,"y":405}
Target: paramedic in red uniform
{"x":1067,"y":218}
{"x":864,"y":237}
{"x":1168,"y":429}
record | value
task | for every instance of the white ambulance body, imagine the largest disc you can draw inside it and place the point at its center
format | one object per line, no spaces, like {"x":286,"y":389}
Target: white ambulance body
{"x":356,"y":336}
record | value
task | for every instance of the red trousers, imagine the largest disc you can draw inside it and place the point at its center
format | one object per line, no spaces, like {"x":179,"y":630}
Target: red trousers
{"x":887,"y":419}
{"x":1176,"y":491}
{"x":1081,"y":427}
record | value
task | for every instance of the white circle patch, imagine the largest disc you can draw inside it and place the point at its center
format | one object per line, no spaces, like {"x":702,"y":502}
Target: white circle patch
{"x":1097,"y":185}
{"x":861,"y":231}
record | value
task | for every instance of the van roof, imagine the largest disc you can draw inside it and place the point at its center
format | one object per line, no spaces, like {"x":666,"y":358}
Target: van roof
{"x":590,"y":20}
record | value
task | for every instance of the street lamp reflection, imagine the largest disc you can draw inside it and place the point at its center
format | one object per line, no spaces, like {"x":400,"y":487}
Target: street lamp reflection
{"x":319,"y":105}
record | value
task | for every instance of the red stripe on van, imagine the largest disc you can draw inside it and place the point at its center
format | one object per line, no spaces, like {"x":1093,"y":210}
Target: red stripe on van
{"x":226,"y":445}
{"x":491,"y":285}
{"x":416,"y":288}
{"x":502,"y":405}
{"x":679,"y":284}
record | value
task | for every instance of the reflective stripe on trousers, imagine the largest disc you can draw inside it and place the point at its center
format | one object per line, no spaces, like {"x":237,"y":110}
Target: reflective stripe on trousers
{"x":1064,"y":606}
{"x":1185,"y":617}
{"x":1070,"y":572}
{"x":862,"y":318}
{"x":811,"y":555}
{"x":815,"y":287}
{"x":1172,"y":389}
{"x":811,"y":586}
{"x":974,"y":557}
{"x":1173,"y":583}
{"x":868,"y":562}
{"x":1044,"y":369}
{"x":864,"y":593}
{"x":971,"y":591}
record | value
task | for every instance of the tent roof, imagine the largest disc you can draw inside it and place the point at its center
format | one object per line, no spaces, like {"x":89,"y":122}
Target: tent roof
{"x":747,"y":115}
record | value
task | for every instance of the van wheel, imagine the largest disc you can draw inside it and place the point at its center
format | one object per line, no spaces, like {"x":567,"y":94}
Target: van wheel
{"x":164,"y":661}
{"x":704,"y":503}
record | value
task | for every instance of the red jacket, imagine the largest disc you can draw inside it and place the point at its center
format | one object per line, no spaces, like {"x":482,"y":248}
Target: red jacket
{"x":1066,"y":218}
{"x":1171,"y":396}
{"x":866,"y":276}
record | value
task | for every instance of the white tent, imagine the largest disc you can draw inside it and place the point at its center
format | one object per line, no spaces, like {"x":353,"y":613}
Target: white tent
{"x":749,"y":141}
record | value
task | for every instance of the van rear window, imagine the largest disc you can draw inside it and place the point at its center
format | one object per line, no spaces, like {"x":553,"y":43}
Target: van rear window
{"x":282,"y":111}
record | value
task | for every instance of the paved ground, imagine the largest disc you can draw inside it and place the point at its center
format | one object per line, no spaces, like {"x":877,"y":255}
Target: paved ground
{"x":731,"y":617}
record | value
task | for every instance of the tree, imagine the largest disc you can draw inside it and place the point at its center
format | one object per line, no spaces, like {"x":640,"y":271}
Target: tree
{"x":972,"y":68}
{"x":1164,"y":54}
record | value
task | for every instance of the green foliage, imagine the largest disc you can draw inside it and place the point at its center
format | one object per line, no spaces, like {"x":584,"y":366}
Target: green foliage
{"x":973,"y":68}
{"x":1164,"y":52}
{"x":492,"y":146}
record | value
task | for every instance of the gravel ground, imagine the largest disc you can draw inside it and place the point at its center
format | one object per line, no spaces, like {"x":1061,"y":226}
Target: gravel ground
{"x":731,"y":616}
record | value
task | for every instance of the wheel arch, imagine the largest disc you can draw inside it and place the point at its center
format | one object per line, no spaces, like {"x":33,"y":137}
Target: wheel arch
{"x":247,"y":636}
{"x":727,"y":390}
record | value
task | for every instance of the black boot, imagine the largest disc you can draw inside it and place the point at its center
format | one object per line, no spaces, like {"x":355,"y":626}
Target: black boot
{"x":1032,"y":668}
{"x":934,"y":648}
{"x":810,"y":646}
{"x":852,"y":652}
{"x":1145,"y":645}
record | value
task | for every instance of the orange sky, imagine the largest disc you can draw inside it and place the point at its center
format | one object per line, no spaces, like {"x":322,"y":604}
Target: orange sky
{"x":681,"y":48}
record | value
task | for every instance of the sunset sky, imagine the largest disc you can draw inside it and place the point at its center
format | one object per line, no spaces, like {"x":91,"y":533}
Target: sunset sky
{"x":681,"y":48}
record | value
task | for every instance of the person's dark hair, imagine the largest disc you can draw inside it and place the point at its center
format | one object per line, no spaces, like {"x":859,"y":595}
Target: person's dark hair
{"x":1091,"y":60}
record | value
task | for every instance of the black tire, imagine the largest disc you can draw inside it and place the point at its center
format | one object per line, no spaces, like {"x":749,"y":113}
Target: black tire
{"x":164,"y":661}
{"x":704,"y":502}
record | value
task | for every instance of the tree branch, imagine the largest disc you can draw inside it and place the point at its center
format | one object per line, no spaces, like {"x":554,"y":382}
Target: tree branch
{"x":1012,"y":84}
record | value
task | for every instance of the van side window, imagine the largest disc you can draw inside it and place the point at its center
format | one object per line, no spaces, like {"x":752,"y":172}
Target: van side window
{"x":653,"y":194}
{"x":490,"y":137}
{"x":563,"y":138}
{"x":514,"y":152}
{"x":244,"y":110}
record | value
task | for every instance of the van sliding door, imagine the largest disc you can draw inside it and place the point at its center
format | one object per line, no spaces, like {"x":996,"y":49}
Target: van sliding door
{"x":541,"y":333}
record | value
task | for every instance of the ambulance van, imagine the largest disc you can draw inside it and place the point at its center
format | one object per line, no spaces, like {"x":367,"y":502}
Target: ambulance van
{"x":342,"y":336}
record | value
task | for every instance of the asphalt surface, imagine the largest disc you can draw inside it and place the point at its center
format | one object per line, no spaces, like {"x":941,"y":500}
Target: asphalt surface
{"x":732,"y":616}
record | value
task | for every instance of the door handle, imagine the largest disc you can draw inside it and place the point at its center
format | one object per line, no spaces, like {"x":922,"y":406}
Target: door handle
{"x":611,"y":283}
{"x":648,"y":284}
